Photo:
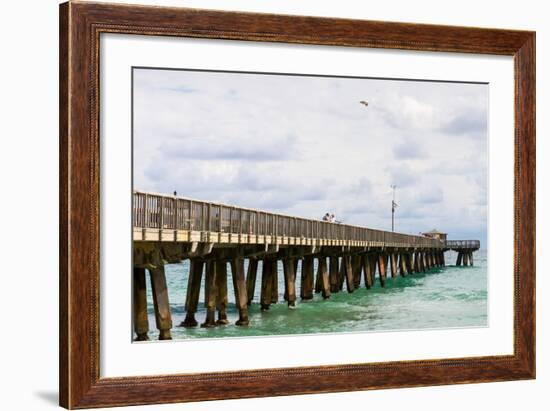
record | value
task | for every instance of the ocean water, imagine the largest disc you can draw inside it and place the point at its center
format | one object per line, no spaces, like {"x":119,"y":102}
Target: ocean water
{"x":447,"y":297}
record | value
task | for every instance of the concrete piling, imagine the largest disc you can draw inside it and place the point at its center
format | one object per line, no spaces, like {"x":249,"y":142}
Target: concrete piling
{"x":221,"y":289}
{"x":210,"y":294}
{"x":323,"y":274}
{"x":290,"y":281}
{"x":382,"y":265}
{"x":275,"y":282}
{"x":409,"y":263}
{"x":402,"y":265}
{"x":306,"y":289}
{"x":334,"y":275}
{"x":393,"y":264}
{"x":367,"y":270}
{"x":239,"y":286}
{"x":356,"y":267}
{"x":267,"y":281}
{"x":348,"y":273}
{"x":251,"y":279}
{"x":193,"y":290}
{"x":141,"y":319}
{"x":163,"y":315}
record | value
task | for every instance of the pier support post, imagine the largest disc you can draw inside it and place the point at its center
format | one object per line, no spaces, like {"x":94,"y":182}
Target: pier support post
{"x":322,"y":272}
{"x":210,"y":293}
{"x":342,"y":273}
{"x":348,"y":272}
{"x":382,"y":265}
{"x":367,"y":270}
{"x":221,"y":288}
{"x":409,"y":263}
{"x":274,"y":282}
{"x":467,"y":256}
{"x":141,"y":320}
{"x":239,"y":285}
{"x":356,"y":267}
{"x":459,"y":259}
{"x":402,"y":265}
{"x":424,"y":260}
{"x":267,"y":281}
{"x":163,"y":316}
{"x":306,"y":289}
{"x":319,"y":277}
{"x":333,"y":267}
{"x":193,"y":290}
{"x":471,"y":259}
{"x":251,"y":274}
{"x":393,"y":264}
{"x":290,"y":281}
{"x":416,"y":263}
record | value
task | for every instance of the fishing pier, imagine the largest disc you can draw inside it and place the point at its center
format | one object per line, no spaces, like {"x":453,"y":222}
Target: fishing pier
{"x":334,"y":257}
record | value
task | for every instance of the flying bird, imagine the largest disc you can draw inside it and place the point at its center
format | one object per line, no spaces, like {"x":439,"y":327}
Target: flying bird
{"x":365,"y":103}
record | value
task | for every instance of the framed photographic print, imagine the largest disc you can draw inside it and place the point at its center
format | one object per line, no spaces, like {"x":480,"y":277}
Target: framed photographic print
{"x":259,"y":205}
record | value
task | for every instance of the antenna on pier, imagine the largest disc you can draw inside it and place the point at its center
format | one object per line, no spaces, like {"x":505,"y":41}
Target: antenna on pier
{"x":393,"y":207}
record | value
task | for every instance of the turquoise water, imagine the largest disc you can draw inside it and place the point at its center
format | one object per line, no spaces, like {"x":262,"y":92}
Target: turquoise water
{"x":446,"y":297}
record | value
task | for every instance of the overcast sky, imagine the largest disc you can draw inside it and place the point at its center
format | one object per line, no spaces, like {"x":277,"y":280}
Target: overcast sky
{"x":304,"y":146}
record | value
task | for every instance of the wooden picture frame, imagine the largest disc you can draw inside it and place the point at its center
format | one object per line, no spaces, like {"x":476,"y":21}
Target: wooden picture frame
{"x":80,"y":27}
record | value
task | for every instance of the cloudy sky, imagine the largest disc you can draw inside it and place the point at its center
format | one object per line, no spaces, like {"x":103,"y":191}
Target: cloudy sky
{"x":304,"y":145}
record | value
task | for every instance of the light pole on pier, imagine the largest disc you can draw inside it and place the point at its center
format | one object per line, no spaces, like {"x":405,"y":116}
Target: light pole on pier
{"x":393,"y":207}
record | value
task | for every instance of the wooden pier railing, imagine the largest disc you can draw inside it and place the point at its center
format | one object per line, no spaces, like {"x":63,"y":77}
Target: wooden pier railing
{"x":159,"y":217}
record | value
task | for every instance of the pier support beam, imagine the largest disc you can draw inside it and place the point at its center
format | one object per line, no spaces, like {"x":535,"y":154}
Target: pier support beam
{"x":402,"y":265}
{"x":274,"y":282}
{"x":466,"y":259}
{"x":193,"y":290}
{"x":221,"y":288}
{"x":357,"y":270}
{"x":334,"y":275}
{"x":322,"y":273}
{"x":251,"y":274}
{"x":141,"y":320}
{"x":459,"y":259}
{"x":210,"y":294}
{"x":367,"y":270}
{"x":163,"y":316}
{"x":267,"y":281}
{"x":290,"y":281}
{"x":416,"y":263}
{"x":306,"y":289}
{"x":342,"y":273}
{"x":348,"y":273}
{"x":382,"y":265}
{"x":319,"y":277}
{"x":239,"y":285}
{"x":393,"y":264}
{"x":471,"y":259}
{"x":409,"y":263}
{"x":425,"y":265}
